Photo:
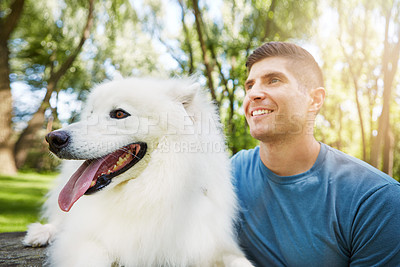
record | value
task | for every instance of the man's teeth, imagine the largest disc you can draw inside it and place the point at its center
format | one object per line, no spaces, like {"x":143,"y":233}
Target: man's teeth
{"x":261,"y":111}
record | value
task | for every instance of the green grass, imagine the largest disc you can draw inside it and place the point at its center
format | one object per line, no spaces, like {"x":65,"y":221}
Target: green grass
{"x":21,"y":197}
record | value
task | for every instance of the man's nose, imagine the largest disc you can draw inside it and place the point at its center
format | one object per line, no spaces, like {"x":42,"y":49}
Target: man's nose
{"x":256,"y":93}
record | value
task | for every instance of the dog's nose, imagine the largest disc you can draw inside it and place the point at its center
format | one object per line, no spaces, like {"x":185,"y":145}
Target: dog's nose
{"x":57,"y":140}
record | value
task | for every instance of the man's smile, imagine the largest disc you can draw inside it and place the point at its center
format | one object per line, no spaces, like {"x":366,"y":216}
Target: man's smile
{"x":259,"y":112}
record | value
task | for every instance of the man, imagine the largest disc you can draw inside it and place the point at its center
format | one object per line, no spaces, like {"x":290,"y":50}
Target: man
{"x":304,"y":203}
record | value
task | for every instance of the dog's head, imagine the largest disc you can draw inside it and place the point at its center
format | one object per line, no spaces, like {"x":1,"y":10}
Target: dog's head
{"x":121,"y":125}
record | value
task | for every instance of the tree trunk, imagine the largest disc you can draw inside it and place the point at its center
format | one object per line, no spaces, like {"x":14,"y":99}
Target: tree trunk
{"x":29,"y":134}
{"x":38,"y":119}
{"x":360,"y":117}
{"x":203,"y":47}
{"x":7,"y":165}
{"x":390,"y":62}
{"x":354,"y":77}
{"x":355,"y":72}
{"x":340,"y":138}
{"x":187,"y":38}
{"x":7,"y":25}
{"x":388,"y":153}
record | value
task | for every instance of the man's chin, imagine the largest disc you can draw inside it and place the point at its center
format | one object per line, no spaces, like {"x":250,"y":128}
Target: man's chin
{"x":261,"y":135}
{"x":268,"y":136}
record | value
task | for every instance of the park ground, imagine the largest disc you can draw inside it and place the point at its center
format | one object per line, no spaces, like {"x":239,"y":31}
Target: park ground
{"x":21,"y":197}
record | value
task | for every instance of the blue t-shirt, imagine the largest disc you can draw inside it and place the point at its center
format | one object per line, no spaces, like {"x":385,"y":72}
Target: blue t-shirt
{"x":341,"y":212}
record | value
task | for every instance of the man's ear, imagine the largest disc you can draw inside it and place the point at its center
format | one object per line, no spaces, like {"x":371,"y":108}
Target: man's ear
{"x":317,"y":97}
{"x":185,"y":94}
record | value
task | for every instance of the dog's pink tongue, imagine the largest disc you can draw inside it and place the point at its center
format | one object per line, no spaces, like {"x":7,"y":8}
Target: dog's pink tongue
{"x":78,"y":184}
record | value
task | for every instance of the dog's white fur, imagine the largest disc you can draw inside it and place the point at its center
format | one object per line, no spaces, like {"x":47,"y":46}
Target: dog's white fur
{"x":175,"y":207}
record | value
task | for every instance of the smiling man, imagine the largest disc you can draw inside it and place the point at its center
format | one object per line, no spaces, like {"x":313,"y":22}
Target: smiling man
{"x":304,"y":203}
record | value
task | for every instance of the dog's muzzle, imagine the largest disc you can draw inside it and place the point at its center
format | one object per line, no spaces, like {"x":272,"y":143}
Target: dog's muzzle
{"x":57,"y":140}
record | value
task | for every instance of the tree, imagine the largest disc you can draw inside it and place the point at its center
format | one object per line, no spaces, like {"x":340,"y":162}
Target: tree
{"x":206,"y":61}
{"x":9,"y":16}
{"x":49,"y":55}
{"x":390,"y":61}
{"x":218,"y":47}
{"x":357,"y":62}
{"x":371,"y":67}
{"x":56,"y":72}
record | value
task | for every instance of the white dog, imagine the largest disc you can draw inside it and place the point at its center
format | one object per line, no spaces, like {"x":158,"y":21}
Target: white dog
{"x":154,"y":188}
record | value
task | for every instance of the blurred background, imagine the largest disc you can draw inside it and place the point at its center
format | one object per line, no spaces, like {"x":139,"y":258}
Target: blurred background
{"x":53,"y":51}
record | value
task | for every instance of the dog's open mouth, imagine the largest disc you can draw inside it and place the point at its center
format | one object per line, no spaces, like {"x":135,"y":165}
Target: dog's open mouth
{"x":95,"y":174}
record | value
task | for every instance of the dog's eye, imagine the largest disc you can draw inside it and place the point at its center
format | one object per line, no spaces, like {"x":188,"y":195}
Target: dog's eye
{"x":119,"y":114}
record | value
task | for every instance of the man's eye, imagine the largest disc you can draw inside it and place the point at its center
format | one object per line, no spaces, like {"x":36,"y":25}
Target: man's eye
{"x":275,"y":80}
{"x":119,"y":114}
{"x":248,"y":87}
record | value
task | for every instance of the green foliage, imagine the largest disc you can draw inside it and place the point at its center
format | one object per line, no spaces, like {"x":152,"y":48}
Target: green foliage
{"x":131,"y":37}
{"x":243,"y":26}
{"x":239,"y":136}
{"x":395,"y":113}
{"x":46,"y":35}
{"x":49,"y":32}
{"x":353,"y":59}
{"x":21,"y":197}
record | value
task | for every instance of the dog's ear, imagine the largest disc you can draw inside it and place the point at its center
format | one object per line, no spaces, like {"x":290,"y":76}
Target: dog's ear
{"x":117,"y":76}
{"x":186,"y":94}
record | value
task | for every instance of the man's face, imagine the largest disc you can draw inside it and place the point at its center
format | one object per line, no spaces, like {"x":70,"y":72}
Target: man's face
{"x":275,"y":106}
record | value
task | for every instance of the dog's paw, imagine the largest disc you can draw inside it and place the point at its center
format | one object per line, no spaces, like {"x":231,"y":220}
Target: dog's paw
{"x":39,"y":235}
{"x":236,"y":261}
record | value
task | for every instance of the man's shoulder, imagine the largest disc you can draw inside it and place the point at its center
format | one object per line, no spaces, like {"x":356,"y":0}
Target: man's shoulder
{"x":245,"y":160}
{"x":346,"y":168}
{"x":246,"y":154}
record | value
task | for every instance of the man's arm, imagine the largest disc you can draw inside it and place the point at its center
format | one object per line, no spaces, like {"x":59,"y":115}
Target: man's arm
{"x":376,"y":229}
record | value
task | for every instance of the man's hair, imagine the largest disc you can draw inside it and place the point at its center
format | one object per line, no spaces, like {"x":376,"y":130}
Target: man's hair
{"x":300,"y":62}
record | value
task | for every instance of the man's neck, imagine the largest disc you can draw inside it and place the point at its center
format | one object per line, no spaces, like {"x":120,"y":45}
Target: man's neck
{"x":290,"y":158}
